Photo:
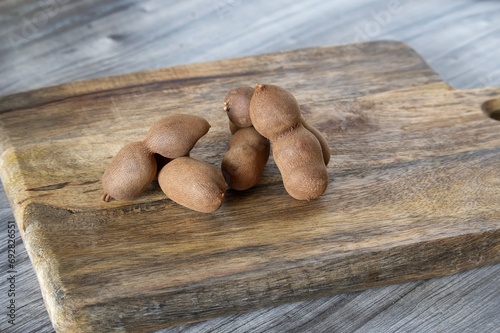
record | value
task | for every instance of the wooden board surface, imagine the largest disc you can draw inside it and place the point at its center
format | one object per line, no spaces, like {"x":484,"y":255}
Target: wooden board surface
{"x":413,"y":190}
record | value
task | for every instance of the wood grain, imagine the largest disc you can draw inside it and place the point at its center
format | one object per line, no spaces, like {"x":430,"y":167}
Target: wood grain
{"x":413,"y":195}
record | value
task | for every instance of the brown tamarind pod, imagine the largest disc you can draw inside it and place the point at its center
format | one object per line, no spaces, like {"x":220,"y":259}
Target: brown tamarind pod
{"x":193,"y":184}
{"x":297,"y":152}
{"x":236,"y":104}
{"x":299,"y":158}
{"x":174,"y":136}
{"x":325,"y":148}
{"x":274,"y":111}
{"x":244,"y":162}
{"x":129,"y":173}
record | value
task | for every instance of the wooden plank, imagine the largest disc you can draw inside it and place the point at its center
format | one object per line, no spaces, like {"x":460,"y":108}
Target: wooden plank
{"x":413,"y":192}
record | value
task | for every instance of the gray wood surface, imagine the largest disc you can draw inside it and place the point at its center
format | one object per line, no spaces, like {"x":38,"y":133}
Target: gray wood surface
{"x":56,"y":41}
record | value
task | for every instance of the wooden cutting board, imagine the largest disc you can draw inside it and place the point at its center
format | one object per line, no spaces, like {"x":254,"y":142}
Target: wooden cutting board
{"x":414,"y":191}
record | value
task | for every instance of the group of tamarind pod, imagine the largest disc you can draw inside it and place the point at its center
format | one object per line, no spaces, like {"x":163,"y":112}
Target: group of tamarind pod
{"x":258,"y":117}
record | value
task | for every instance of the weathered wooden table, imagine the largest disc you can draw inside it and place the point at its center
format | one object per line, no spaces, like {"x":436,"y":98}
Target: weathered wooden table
{"x":54,"y":42}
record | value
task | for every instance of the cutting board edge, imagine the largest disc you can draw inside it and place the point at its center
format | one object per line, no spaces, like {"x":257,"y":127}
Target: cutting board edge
{"x":477,"y":249}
